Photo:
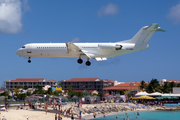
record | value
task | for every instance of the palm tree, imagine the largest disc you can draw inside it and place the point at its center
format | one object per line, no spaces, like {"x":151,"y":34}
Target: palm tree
{"x":143,"y":85}
{"x":153,"y":86}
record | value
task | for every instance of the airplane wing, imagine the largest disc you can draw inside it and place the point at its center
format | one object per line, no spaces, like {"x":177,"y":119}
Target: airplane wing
{"x":75,"y":50}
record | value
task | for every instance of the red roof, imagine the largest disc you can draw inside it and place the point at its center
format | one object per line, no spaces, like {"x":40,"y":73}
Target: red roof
{"x":51,"y":81}
{"x":172,"y":81}
{"x":108,"y":80}
{"x":28,"y":80}
{"x":82,"y":79}
{"x":123,"y":86}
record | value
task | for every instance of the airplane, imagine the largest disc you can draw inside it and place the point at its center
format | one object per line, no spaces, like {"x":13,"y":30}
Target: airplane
{"x":98,"y":51}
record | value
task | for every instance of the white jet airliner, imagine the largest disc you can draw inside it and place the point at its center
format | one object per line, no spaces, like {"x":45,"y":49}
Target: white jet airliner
{"x":98,"y":51}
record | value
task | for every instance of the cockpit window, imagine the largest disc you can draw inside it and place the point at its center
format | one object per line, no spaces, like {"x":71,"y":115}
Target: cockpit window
{"x":23,"y":47}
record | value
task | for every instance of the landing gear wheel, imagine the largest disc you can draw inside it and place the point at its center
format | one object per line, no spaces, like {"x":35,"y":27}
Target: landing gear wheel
{"x":88,"y":63}
{"x":29,"y":61}
{"x":80,"y":61}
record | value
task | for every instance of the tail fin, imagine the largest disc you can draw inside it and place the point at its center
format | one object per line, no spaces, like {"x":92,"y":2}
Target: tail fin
{"x":144,"y":34}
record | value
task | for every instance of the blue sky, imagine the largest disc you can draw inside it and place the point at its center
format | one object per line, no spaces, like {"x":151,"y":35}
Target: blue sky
{"x":61,"y":21}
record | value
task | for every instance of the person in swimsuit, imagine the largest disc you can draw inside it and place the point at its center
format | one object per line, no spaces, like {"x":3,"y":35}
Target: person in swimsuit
{"x":72,"y":117}
{"x":56,"y":116}
{"x":59,"y":117}
{"x":94,"y":115}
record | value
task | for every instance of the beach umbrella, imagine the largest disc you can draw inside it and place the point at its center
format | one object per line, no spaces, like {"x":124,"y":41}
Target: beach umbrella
{"x":155,"y":94}
{"x":141,"y":93}
{"x":145,"y":97}
{"x":159,"y":97}
{"x":75,"y":97}
{"x":174,"y":97}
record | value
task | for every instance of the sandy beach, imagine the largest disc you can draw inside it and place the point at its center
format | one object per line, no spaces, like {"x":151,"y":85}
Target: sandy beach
{"x":40,"y":114}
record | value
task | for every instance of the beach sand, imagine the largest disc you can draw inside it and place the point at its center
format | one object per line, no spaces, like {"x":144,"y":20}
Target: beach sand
{"x":40,"y":114}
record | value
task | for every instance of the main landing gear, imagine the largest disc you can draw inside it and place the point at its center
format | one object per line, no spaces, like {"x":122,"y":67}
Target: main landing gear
{"x":29,"y":61}
{"x":80,"y":61}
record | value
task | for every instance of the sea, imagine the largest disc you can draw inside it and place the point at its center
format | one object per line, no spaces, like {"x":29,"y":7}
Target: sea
{"x":144,"y":115}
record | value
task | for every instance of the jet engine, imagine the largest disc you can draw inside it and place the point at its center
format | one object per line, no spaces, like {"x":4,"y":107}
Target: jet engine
{"x":109,"y":46}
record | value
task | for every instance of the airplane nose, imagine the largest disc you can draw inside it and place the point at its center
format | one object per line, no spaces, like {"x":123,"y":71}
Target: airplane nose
{"x":19,"y":52}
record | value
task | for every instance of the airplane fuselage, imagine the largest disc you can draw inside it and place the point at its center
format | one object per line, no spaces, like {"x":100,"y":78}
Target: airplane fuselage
{"x":60,"y":50}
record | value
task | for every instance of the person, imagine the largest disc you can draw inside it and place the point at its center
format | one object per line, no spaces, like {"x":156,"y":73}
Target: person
{"x":138,"y":113}
{"x":136,"y":116}
{"x":56,"y":116}
{"x":117,"y":117}
{"x":64,"y":113}
{"x":46,"y":109}
{"x":104,"y":115}
{"x":72,"y":117}
{"x":127,"y":118}
{"x":59,"y":105}
{"x":94,"y":115}
{"x":59,"y":117}
{"x":6,"y":105}
{"x":80,"y":114}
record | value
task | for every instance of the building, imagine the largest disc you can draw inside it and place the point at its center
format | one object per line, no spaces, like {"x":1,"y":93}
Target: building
{"x":113,"y":90}
{"x":87,"y":83}
{"x":29,"y":82}
{"x":162,"y":81}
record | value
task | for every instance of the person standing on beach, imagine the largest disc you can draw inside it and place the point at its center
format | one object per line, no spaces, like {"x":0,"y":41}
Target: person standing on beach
{"x":56,"y":116}
{"x":72,"y":117}
{"x":94,"y":115}
{"x":6,"y":105}
{"x":59,"y":117}
{"x":46,"y":109}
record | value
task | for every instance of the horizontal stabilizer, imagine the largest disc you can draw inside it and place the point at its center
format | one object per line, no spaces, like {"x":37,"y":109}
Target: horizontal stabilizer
{"x":154,"y":27}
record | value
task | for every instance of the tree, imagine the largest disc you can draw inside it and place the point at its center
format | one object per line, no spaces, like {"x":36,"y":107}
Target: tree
{"x":153,"y":86}
{"x":166,"y":88}
{"x":143,"y":85}
{"x":25,"y":87}
{"x":70,"y":92}
{"x":171,"y":85}
{"x":50,"y":92}
{"x":20,"y":86}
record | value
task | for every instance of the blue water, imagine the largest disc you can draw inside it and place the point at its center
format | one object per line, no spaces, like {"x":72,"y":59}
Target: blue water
{"x":145,"y":115}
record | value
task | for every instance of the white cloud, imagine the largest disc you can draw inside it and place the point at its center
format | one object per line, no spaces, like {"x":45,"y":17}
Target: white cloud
{"x":110,"y":9}
{"x":10,"y":16}
{"x":175,"y":13}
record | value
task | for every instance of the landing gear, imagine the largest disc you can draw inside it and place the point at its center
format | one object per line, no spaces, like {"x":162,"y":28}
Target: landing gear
{"x":29,"y":61}
{"x":80,"y":61}
{"x":88,"y":63}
